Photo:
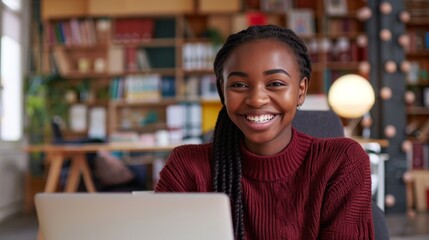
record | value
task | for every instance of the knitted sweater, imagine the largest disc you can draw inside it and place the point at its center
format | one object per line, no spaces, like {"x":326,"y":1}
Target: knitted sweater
{"x":313,"y":189}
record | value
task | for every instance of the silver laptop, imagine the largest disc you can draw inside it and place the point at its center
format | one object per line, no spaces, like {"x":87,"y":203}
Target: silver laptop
{"x":129,"y":216}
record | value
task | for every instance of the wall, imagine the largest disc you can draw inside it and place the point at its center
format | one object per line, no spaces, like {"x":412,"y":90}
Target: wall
{"x":13,"y":161}
{"x":13,"y":164}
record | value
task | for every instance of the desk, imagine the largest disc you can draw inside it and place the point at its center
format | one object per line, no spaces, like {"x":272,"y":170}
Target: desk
{"x":382,"y":142}
{"x":56,"y":155}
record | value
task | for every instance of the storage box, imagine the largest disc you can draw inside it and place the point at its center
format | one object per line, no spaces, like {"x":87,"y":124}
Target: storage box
{"x":212,"y":6}
{"x":138,"y":7}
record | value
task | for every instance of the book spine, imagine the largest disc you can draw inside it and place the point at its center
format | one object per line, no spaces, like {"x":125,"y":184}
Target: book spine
{"x":417,"y":156}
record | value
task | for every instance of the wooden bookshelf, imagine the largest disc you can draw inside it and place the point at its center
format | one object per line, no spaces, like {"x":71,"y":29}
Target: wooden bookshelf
{"x":417,"y":53}
{"x":181,"y":43}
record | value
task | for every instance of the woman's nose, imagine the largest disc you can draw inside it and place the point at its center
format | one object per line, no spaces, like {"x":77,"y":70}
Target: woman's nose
{"x":257,"y":97}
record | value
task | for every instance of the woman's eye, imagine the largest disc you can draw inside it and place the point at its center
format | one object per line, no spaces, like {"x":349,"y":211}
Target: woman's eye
{"x":276,"y":84}
{"x":238,"y":85}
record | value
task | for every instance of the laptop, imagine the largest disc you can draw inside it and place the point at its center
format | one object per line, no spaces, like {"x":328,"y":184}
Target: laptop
{"x":129,"y":216}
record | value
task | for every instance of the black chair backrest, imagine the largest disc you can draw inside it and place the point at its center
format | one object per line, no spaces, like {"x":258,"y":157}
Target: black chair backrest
{"x":322,"y":124}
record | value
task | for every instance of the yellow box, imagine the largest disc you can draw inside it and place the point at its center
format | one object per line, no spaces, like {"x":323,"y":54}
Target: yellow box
{"x":213,"y":6}
{"x":137,"y":7}
{"x":210,"y":110}
{"x":64,"y":8}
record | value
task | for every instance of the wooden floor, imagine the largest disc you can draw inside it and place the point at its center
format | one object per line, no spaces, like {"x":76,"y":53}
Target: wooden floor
{"x":24,"y":227}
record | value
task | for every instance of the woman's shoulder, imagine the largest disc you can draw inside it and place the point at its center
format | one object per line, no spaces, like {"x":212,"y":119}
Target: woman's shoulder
{"x":191,"y":153}
{"x":342,"y":151}
{"x":338,"y":143}
{"x":193,"y":148}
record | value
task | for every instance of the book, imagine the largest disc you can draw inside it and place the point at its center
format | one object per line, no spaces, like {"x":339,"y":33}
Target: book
{"x":208,"y":87}
{"x":168,"y":86}
{"x":78,"y":117}
{"x":131,"y":59}
{"x":97,"y":123}
{"x":62,"y":61}
{"x":417,"y":156}
{"x":142,"y":60}
{"x":75,"y":32}
{"x":426,"y":96}
{"x":115,"y":60}
{"x":192,"y":86}
{"x":193,"y":120}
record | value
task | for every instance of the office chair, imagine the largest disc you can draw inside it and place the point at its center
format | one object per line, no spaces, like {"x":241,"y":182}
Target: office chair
{"x":325,"y":124}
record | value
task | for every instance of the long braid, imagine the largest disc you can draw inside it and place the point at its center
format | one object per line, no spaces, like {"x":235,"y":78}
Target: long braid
{"x":227,"y":159}
{"x":227,"y":167}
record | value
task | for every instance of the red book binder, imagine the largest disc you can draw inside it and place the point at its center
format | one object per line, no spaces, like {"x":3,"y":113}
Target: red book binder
{"x":417,"y":156}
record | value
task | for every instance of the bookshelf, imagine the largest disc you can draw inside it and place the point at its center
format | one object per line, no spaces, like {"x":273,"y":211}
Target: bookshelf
{"x":137,"y":62}
{"x":417,"y":54}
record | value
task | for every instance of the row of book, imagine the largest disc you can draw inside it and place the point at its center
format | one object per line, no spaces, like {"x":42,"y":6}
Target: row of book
{"x":199,"y":55}
{"x":147,"y":87}
{"x":421,"y":96}
{"x":130,"y":59}
{"x":78,"y":32}
{"x":342,"y":49}
{"x":418,"y":158}
{"x":154,"y":86}
{"x":133,"y":29}
{"x":419,"y":40}
{"x":338,"y":26}
{"x":419,"y":72}
{"x":182,"y":121}
{"x":418,"y":129}
{"x":203,"y":86}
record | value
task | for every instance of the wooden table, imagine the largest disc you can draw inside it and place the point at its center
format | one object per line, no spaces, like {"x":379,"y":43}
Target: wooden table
{"x":57,"y":154}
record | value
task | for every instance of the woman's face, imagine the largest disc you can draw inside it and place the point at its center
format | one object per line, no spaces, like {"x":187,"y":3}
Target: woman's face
{"x":262,"y":89}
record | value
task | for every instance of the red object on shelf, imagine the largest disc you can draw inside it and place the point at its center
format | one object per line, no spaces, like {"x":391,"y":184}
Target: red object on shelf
{"x":427,"y":199}
{"x":256,"y":18}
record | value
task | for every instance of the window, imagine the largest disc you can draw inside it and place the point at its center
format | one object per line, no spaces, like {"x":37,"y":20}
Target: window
{"x":11,"y":71}
{"x":13,"y":4}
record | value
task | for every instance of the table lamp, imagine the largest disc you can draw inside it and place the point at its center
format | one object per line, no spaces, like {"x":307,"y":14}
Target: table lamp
{"x":351,"y":96}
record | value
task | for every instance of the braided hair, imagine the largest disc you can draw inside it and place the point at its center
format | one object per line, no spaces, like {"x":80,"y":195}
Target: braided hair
{"x":227,"y":159}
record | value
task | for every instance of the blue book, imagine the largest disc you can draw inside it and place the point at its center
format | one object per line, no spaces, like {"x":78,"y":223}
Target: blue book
{"x":427,"y":40}
{"x":168,"y":86}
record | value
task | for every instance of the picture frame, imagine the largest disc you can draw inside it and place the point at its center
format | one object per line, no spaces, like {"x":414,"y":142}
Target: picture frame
{"x":301,"y":21}
{"x":336,"y":7}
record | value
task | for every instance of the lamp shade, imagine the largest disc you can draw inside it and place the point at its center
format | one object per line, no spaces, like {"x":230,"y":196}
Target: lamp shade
{"x":351,"y":96}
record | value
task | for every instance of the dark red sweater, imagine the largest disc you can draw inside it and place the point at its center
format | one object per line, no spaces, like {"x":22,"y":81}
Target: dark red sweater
{"x":313,"y":189}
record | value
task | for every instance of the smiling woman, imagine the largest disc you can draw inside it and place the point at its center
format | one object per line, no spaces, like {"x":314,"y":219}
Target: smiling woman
{"x":283,"y":184}
{"x":269,"y":92}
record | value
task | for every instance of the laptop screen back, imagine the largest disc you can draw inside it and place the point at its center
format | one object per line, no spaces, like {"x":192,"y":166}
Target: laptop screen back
{"x":140,"y":216}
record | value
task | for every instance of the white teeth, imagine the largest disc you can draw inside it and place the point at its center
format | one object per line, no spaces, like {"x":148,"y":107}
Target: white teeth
{"x":260,"y":119}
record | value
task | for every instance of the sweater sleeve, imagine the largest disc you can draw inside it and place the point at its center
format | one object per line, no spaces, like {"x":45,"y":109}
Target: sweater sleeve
{"x":346,"y":211}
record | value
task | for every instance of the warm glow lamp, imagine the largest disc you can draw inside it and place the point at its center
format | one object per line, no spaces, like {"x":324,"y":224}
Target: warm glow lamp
{"x":351,"y":96}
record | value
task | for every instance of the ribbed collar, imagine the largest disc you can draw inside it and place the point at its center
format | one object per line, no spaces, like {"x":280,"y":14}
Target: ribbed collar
{"x":280,"y":165}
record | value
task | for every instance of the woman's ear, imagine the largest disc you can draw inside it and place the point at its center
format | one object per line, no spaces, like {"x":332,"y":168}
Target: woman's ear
{"x":302,"y":90}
